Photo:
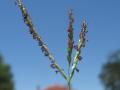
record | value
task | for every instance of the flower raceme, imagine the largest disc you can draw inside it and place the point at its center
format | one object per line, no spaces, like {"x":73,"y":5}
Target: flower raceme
{"x":44,"y":49}
{"x":70,"y":37}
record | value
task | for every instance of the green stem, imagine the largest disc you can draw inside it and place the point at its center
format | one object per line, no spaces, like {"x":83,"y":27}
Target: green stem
{"x":69,"y":82}
{"x":69,"y":85}
{"x":61,"y":71}
{"x":75,"y":61}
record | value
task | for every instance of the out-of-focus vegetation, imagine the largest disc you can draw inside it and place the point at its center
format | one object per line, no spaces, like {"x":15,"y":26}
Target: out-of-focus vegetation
{"x":6,"y":82}
{"x":110,"y":75}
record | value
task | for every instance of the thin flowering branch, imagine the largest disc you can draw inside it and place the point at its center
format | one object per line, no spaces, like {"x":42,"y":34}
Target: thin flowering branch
{"x":81,"y":43}
{"x":28,"y":22}
{"x":70,"y":37}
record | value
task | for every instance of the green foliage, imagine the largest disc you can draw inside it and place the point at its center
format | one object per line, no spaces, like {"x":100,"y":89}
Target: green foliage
{"x":6,"y":82}
{"x":110,"y":75}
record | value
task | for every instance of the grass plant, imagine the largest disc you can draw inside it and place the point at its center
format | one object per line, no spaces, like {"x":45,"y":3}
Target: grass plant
{"x":72,"y":62}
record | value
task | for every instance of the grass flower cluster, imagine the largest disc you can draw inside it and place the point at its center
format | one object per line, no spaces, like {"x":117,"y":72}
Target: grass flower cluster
{"x":72,"y":63}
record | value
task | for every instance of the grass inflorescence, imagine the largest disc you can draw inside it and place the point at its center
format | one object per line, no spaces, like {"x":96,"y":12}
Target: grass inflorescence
{"x":72,"y":63}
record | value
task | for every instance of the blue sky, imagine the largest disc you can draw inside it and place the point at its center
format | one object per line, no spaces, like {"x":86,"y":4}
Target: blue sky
{"x":30,"y":67}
